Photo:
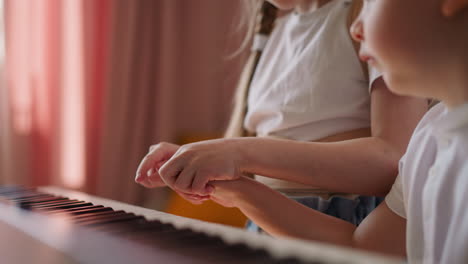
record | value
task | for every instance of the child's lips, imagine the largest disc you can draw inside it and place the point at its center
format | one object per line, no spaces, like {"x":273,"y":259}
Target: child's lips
{"x":365,"y":57}
{"x":368,"y":59}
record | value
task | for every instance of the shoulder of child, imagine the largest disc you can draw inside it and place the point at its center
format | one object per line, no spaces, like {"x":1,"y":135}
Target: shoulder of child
{"x":433,"y":114}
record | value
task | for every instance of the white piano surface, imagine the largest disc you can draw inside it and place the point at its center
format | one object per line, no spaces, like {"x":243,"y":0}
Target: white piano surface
{"x":47,"y":239}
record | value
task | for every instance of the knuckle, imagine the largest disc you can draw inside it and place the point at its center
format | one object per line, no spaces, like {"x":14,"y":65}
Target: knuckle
{"x":188,"y":150}
{"x":184,"y":151}
{"x":160,"y":145}
{"x":163,"y":144}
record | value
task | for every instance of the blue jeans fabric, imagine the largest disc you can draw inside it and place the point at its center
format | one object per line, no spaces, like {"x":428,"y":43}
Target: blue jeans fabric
{"x":353,"y":211}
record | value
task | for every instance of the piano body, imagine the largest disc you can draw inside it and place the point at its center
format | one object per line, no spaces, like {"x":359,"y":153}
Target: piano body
{"x":53,"y":225}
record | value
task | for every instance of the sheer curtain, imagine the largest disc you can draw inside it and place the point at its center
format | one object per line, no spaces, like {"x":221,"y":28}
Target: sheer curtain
{"x":91,"y":84}
{"x":2,"y":34}
{"x":3,"y":95}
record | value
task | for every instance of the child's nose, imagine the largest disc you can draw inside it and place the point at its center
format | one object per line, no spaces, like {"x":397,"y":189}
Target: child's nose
{"x":356,"y":30}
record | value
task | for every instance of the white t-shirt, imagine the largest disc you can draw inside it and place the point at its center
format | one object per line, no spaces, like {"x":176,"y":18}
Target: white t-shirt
{"x":432,"y":189}
{"x":309,"y":83}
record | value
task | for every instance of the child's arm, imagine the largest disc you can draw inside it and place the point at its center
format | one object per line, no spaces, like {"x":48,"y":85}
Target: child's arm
{"x":363,"y":166}
{"x":382,"y":231}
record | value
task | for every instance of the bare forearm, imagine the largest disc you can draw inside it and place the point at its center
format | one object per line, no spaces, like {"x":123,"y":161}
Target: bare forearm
{"x":382,"y":231}
{"x":364,"y":166}
{"x":281,"y":216}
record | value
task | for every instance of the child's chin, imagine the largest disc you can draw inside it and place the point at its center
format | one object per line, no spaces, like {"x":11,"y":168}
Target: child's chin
{"x":398,"y":90}
{"x":406,"y":91}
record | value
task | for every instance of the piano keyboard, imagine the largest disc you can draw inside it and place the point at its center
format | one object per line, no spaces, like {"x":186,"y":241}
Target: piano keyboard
{"x":54,"y":225}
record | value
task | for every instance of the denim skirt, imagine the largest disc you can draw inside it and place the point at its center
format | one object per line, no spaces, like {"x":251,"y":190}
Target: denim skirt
{"x":351,"y":210}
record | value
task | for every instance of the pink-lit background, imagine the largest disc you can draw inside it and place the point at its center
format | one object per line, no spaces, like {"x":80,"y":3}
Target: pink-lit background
{"x":90,"y":84}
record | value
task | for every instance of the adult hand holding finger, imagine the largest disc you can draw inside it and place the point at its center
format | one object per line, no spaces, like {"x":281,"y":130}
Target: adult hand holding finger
{"x":193,"y":165}
{"x":147,"y":173}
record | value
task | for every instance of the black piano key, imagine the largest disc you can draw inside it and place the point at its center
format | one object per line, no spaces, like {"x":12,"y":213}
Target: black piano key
{"x":98,"y":216}
{"x":119,"y":218}
{"x":53,"y":203}
{"x":71,"y":212}
{"x":65,"y":206}
{"x":31,"y":204}
{"x":39,"y":199}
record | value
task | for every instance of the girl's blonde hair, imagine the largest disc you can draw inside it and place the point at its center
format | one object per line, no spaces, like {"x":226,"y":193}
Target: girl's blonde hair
{"x":248,"y":21}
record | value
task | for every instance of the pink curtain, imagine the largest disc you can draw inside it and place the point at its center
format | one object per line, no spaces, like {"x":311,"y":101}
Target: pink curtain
{"x":92,"y":83}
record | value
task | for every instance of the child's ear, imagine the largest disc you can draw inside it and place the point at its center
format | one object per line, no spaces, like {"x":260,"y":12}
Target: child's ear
{"x":453,"y":7}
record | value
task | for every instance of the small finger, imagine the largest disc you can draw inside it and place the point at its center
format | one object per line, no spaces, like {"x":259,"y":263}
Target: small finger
{"x":152,"y":147}
{"x":145,"y":164}
{"x":139,"y":178}
{"x":146,"y":183}
{"x":190,"y":198}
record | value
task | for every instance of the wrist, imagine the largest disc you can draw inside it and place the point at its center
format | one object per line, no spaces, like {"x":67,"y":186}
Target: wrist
{"x":241,"y":149}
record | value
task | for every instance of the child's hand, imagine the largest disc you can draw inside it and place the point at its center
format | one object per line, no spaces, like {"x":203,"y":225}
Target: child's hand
{"x":193,"y":165}
{"x":194,"y":198}
{"x":147,"y":172}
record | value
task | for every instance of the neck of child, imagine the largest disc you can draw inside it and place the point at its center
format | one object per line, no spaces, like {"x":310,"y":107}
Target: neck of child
{"x":454,"y":80}
{"x":457,"y":90}
{"x":305,"y":6}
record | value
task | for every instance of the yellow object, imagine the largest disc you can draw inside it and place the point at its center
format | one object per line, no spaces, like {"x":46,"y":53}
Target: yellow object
{"x":208,"y":211}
